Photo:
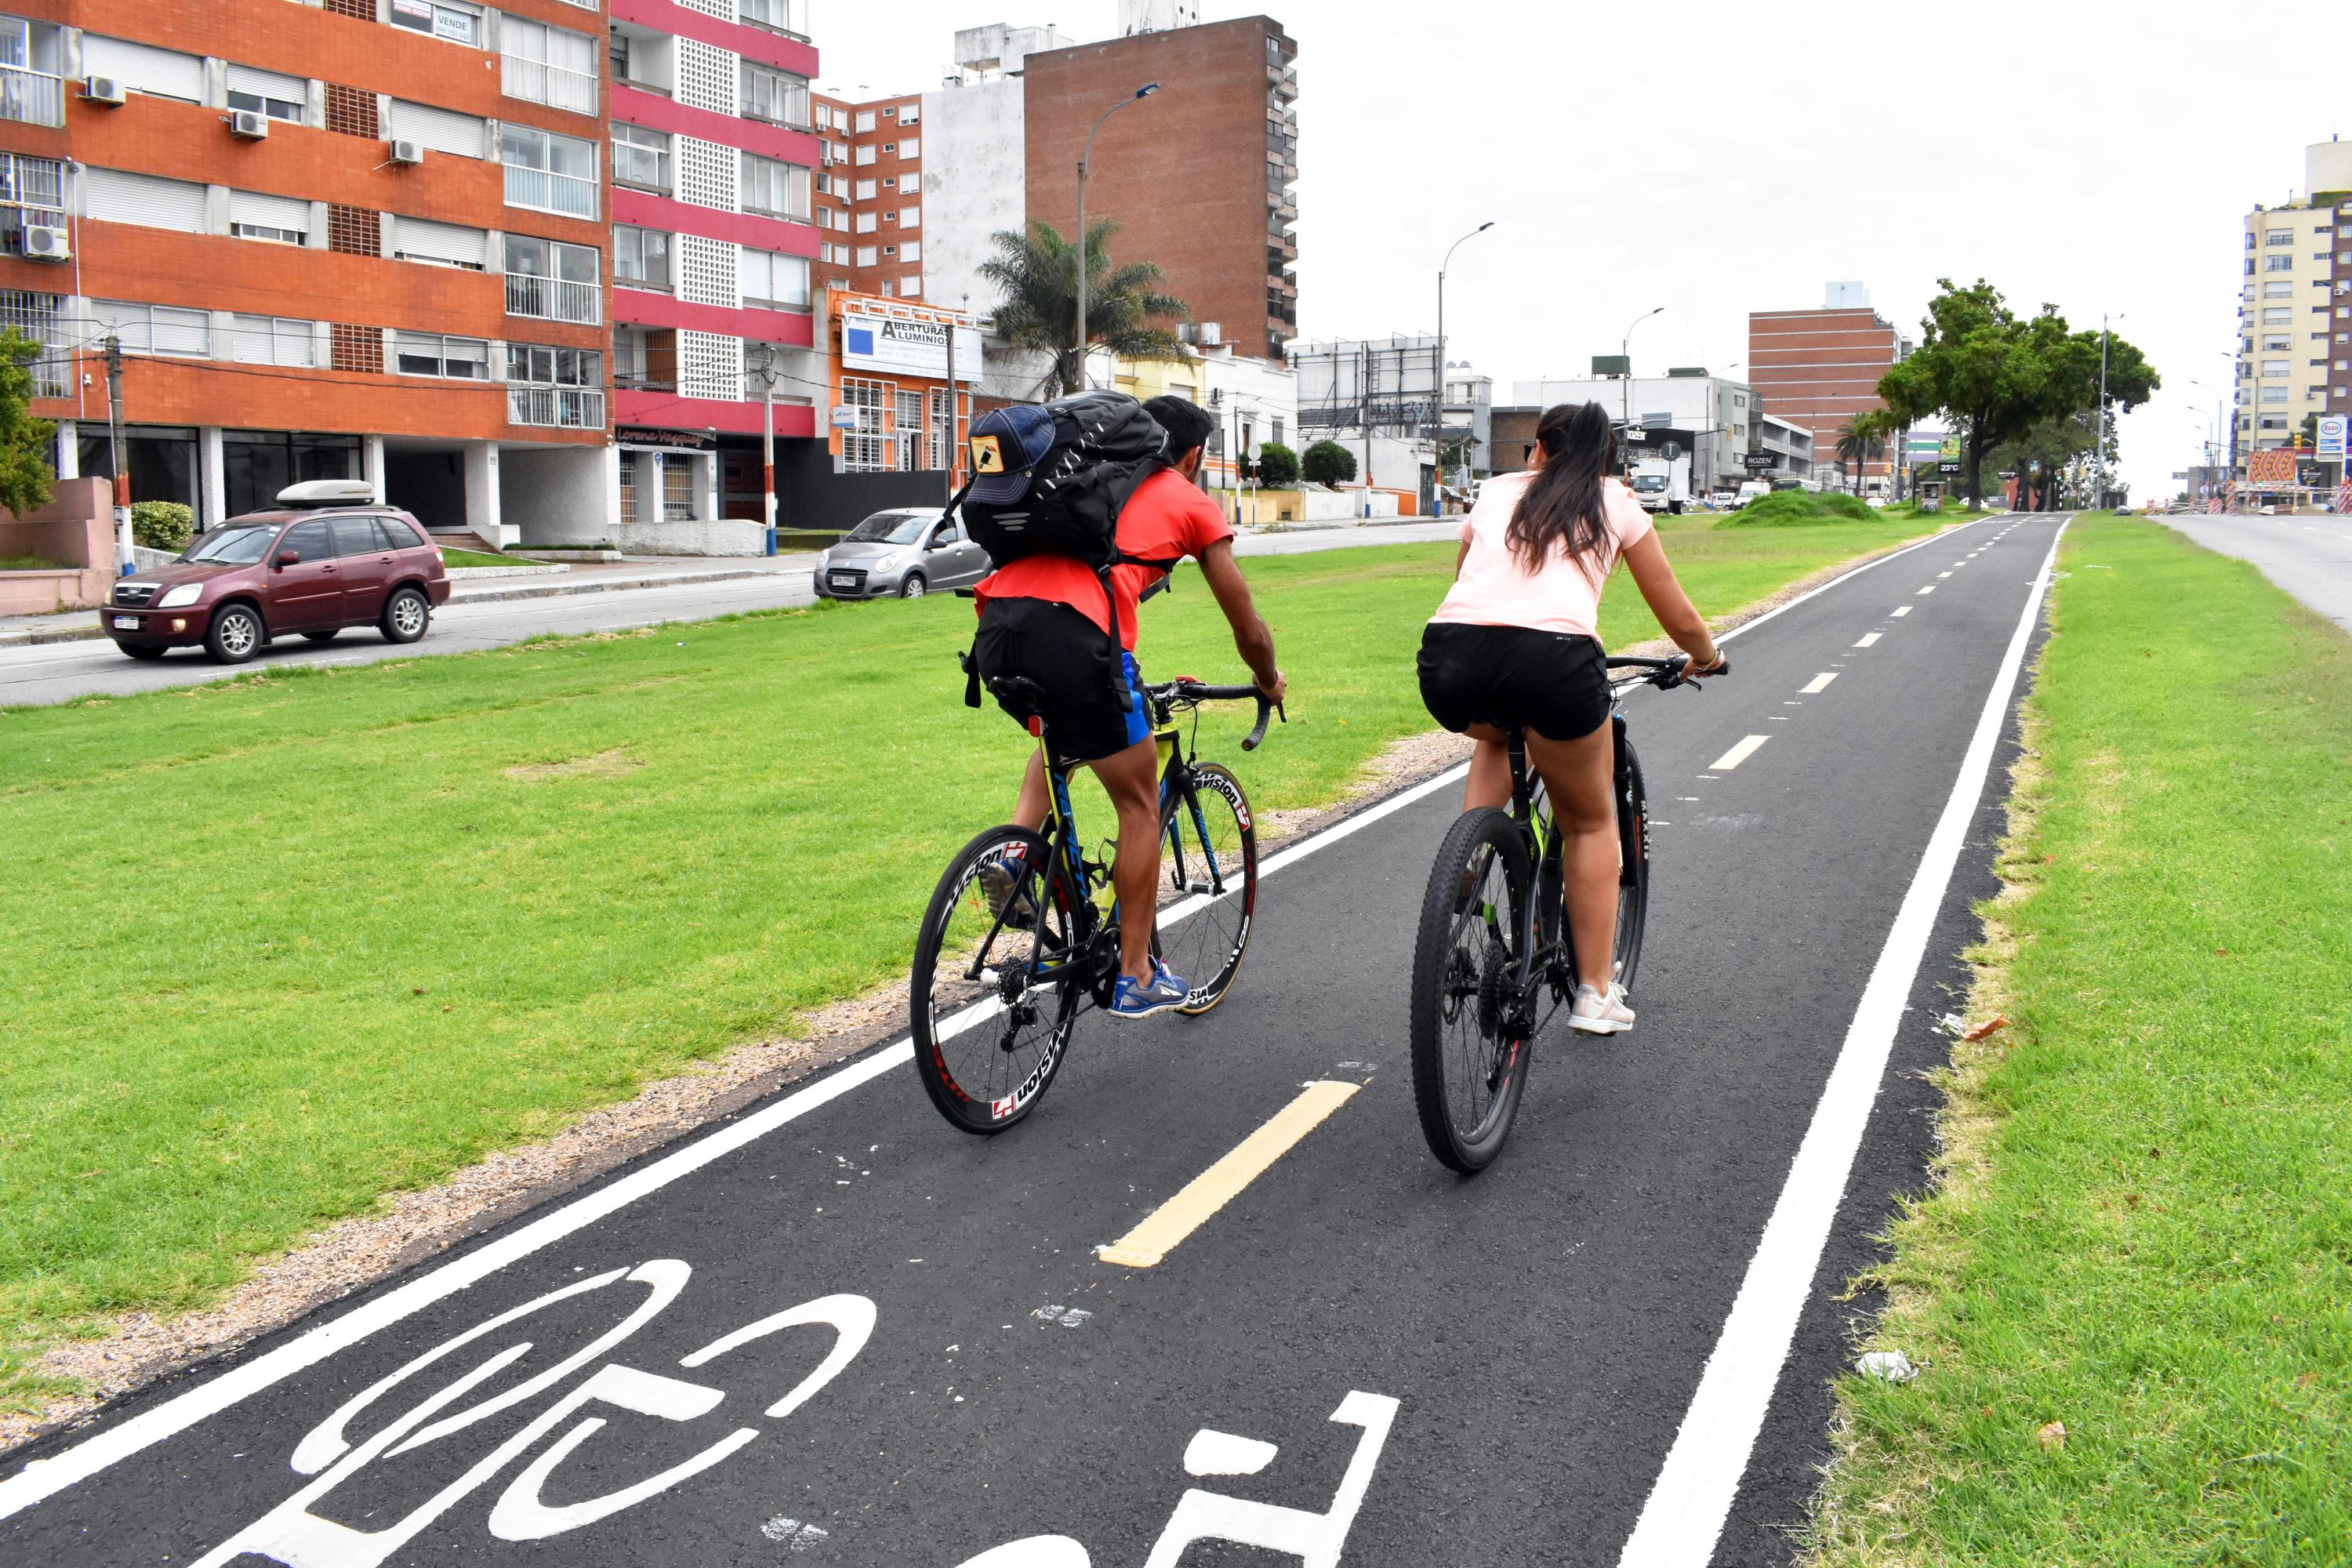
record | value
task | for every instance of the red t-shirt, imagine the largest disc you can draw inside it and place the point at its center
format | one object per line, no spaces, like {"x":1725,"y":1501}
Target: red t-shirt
{"x":1166,"y":519}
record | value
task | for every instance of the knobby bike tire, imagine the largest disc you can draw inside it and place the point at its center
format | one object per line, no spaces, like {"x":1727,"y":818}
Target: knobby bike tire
{"x":1206,"y":947}
{"x":1458,"y":1042}
{"x":1633,"y":848}
{"x":986,"y":1076}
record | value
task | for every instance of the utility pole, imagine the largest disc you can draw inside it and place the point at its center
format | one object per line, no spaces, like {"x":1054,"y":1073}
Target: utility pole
{"x":766,"y":371}
{"x":123,"y":560}
{"x":1364,"y":387}
{"x":2101,"y":498}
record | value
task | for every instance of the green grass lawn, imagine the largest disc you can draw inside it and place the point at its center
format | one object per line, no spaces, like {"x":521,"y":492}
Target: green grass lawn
{"x":278,"y":945}
{"x":2144,"y":1232}
{"x":32,"y":563}
{"x":451,"y":556}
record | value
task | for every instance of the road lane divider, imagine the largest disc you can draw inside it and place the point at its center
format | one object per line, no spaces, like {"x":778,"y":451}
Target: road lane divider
{"x":1684,"y":1516}
{"x":1165,"y":1228}
{"x":1738,"y":754}
{"x":1928,"y":589}
{"x":1870,"y":639}
{"x":1902,"y":609}
{"x":1818,"y":683}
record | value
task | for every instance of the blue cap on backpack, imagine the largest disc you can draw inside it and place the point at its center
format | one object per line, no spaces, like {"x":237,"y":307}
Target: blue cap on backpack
{"x":1006,"y":442}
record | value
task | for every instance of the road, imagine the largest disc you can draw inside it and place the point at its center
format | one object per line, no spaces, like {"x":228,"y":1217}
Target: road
{"x":834,"y":1327}
{"x":2310,"y":557}
{"x":58,"y":672}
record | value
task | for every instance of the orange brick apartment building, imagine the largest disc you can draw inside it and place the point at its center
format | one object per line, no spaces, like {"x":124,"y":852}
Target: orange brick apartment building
{"x":1818,"y":370}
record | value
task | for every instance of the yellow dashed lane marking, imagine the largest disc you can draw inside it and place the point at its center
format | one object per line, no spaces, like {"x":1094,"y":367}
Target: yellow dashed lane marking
{"x":1212,"y":1189}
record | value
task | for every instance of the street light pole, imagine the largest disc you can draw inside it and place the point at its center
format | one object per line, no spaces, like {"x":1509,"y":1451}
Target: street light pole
{"x":1625,"y":351}
{"x":2101,"y":498}
{"x":123,"y":560}
{"x":1441,"y":354}
{"x":1085,"y":158}
{"x":765,"y":369}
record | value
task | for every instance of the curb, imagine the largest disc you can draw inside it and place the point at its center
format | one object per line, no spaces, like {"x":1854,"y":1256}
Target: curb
{"x":89,"y":631}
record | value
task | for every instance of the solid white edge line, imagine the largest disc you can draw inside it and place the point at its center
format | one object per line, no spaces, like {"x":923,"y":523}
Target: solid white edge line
{"x":43,"y":1479}
{"x":1684,"y":1517}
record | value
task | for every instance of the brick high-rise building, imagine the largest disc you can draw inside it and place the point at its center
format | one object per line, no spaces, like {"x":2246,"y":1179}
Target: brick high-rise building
{"x":1199,"y":177}
{"x":349,"y":238}
{"x":870,"y":195}
{"x":1818,"y":370}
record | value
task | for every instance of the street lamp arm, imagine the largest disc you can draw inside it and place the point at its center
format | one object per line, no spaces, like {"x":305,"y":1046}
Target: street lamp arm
{"x":1085,"y":158}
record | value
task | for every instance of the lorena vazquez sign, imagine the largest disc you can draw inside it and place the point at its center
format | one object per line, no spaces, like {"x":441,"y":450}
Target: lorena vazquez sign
{"x":888,"y":343}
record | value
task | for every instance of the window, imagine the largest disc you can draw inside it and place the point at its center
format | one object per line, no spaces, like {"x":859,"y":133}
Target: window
{"x":866,"y":155}
{"x":889,"y":289}
{"x":2278,"y":317}
{"x":890,"y":250}
{"x":911,"y":115}
{"x":783,"y":16}
{"x":2278,"y":263}
{"x":439,"y":244}
{"x":911,"y":217}
{"x":868,"y":191}
{"x":890,"y":181}
{"x":909,"y":184}
{"x":911,"y":147}
{"x":154,"y":329}
{"x":641,"y":256}
{"x":908,"y":438}
{"x":864,"y":120}
{"x":774,"y":95}
{"x":1277,"y":430}
{"x":553,"y":282}
{"x":32,"y":194}
{"x":441,"y":18}
{"x":838,"y":151}
{"x":549,"y":173}
{"x":440,"y":130}
{"x":2275,"y":395}
{"x":281,"y":220}
{"x":2278,"y":291}
{"x":841,"y":120}
{"x":641,"y":157}
{"x":869,"y":257}
{"x":864,"y":449}
{"x":889,"y":146}
{"x":911,"y":252}
{"x":430,"y":353}
{"x":268,"y":93}
{"x":866,"y":223}
{"x":2277,"y":344}
{"x":911,"y":287}
{"x":768,"y":279}
{"x":2274,"y":367}
{"x":2279,"y":237}
{"x":677,"y":488}
{"x":141,"y":67}
{"x":274,"y":339}
{"x":778,"y":190}
{"x":547,"y":64}
{"x":560,"y":388}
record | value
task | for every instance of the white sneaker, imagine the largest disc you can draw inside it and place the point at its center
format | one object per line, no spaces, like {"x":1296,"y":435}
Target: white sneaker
{"x":1593,"y":1012}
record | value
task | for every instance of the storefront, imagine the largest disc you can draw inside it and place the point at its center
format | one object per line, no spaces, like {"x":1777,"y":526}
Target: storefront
{"x":237,"y":471}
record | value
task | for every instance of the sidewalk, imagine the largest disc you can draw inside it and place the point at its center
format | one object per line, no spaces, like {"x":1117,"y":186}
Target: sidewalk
{"x":585,"y":577}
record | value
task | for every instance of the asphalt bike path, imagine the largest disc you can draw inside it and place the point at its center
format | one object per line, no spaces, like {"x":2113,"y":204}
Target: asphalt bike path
{"x":836,"y":1328}
{"x":58,"y":672}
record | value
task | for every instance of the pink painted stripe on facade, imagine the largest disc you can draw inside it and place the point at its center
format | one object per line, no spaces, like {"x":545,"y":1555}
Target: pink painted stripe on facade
{"x":655,"y":113}
{"x":648,"y":211}
{"x":667,"y":411}
{"x":757,"y":43}
{"x":644,"y":308}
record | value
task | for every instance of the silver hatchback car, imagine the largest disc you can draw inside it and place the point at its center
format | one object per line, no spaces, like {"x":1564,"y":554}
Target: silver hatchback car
{"x":903,"y":554}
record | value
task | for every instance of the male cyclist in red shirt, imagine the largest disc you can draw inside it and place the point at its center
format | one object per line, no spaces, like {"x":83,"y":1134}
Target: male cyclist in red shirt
{"x":1045,"y":619}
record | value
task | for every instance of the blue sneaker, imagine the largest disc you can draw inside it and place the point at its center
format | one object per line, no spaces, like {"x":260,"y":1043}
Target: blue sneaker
{"x":1165,"y":993}
{"x":1001,"y":884}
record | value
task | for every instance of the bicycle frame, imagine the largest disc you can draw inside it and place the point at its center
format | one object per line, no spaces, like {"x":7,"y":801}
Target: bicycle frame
{"x":1547,"y":915}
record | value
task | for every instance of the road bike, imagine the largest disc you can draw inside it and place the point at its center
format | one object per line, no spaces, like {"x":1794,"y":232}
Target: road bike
{"x":1494,"y":939}
{"x":1014,"y":945}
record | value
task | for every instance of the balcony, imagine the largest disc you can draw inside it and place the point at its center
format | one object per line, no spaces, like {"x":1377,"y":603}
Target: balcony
{"x":556,"y":407}
{"x":557,"y":87}
{"x":1282,"y":81}
{"x":554,"y":298}
{"x":36,"y":98}
{"x":548,"y":192}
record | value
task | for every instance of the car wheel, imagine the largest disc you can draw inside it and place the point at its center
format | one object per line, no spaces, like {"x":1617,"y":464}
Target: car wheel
{"x":141,"y":650}
{"x":405,"y":616}
{"x":913,"y":587}
{"x":326,"y":636}
{"x":235,"y":635}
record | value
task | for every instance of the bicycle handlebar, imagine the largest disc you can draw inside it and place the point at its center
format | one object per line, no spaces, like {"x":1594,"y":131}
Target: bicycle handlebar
{"x":1666,"y":674}
{"x":1191,"y":693}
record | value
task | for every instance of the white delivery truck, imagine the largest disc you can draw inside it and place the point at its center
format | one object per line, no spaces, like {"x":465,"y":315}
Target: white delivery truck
{"x":1661,"y":485}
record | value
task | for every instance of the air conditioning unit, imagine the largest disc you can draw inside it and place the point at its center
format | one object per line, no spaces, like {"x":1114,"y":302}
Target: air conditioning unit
{"x":103,"y":90}
{"x":45,"y":244}
{"x":407,"y":153}
{"x":1211,"y":333}
{"x":249,"y":124}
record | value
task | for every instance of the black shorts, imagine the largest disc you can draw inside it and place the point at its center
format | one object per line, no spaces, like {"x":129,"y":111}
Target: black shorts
{"x":1093,"y":715}
{"x":1513,"y":677}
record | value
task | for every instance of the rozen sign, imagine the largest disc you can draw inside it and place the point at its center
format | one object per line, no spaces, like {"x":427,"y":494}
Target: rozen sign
{"x":2275,"y":467}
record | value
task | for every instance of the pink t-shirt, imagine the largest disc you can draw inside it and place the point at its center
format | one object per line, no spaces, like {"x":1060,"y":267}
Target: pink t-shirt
{"x":1563,"y":596}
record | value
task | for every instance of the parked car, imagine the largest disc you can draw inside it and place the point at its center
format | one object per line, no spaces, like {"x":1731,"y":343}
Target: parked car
{"x":1751,"y":489}
{"x":331,"y":559}
{"x":905,"y":552}
{"x":1723,"y":501}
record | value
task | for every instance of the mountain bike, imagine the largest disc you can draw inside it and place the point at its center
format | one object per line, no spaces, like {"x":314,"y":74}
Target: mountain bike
{"x":1494,"y":939}
{"x":1014,"y":945}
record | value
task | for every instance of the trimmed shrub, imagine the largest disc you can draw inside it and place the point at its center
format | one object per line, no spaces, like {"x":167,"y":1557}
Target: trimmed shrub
{"x":1327,"y":463}
{"x":163,"y":524}
{"x":1277,"y":466}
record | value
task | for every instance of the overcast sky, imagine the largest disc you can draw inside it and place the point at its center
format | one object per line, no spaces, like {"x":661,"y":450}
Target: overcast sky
{"x":1716,"y":158}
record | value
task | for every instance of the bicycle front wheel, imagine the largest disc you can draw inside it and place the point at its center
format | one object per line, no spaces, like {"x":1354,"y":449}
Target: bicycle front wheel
{"x":990,"y":1032}
{"x":1470,"y":972}
{"x":1208,"y":867}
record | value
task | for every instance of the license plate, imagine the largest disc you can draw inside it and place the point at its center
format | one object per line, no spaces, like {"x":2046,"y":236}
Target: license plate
{"x":126,"y":623}
{"x":844,"y":580}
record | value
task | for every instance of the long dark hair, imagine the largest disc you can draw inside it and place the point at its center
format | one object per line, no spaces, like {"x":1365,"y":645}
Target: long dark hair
{"x":1561,"y":509}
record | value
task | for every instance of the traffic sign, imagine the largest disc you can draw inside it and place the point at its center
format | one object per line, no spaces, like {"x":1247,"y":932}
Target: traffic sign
{"x":845,"y":418}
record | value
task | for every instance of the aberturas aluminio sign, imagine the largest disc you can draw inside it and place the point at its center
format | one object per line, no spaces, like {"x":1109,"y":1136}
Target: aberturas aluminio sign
{"x":899,"y":347}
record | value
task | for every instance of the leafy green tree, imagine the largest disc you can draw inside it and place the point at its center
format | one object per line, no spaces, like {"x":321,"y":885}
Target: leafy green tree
{"x":1037,"y":272}
{"x":1277,"y":466}
{"x":1994,"y":375}
{"x":1327,"y":463}
{"x":1861,"y":440}
{"x":26,"y":476}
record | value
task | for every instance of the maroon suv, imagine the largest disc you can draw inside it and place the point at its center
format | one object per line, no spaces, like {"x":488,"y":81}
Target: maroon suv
{"x":311,"y":571}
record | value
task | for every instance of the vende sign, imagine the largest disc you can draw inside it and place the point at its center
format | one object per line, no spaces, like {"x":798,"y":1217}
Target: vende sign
{"x":900,"y":347}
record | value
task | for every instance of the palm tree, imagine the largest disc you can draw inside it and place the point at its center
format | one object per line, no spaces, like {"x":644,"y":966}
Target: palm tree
{"x":1037,"y":273}
{"x":1862,"y":439}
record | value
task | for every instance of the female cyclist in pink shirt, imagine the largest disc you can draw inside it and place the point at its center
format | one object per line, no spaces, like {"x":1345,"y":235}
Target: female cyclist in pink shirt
{"x":1515,"y":646}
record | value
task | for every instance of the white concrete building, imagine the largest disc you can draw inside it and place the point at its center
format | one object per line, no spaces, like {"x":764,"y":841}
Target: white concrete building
{"x":1720,"y":413}
{"x":976,"y":160}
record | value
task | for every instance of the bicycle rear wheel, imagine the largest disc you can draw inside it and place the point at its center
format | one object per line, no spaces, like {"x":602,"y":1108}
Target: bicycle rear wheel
{"x":989,"y":1037}
{"x":1209,"y":861}
{"x":1470,"y":1050}
{"x":1634,"y":855}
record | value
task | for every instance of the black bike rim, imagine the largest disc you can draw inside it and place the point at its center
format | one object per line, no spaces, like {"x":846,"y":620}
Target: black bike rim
{"x":991,"y":1069}
{"x":1479,"y":1053}
{"x":1216,"y":883}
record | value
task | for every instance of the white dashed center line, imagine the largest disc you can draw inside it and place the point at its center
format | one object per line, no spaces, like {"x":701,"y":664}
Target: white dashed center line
{"x":1821,"y":682}
{"x":1868,"y":639}
{"x":1928,"y":589}
{"x":1941,"y":576}
{"x":1902,"y":609}
{"x":1739,"y":753}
